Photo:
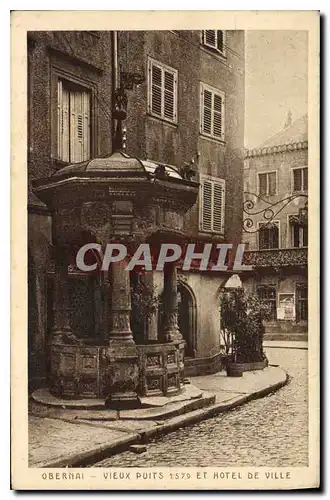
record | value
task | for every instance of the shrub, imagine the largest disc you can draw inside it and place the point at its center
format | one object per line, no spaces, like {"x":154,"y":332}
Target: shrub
{"x":242,"y":327}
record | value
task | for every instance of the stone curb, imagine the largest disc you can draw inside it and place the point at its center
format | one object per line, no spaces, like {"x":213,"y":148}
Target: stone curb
{"x":191,"y":418}
{"x":285,"y":347}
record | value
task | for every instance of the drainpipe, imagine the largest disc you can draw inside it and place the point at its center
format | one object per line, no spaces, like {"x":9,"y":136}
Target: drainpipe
{"x":115,"y":78}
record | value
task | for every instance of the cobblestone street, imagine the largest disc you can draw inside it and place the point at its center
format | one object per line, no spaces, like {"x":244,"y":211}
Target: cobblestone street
{"x":272,"y":431}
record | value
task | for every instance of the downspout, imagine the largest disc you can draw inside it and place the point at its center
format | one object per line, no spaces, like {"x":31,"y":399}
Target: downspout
{"x":115,"y":79}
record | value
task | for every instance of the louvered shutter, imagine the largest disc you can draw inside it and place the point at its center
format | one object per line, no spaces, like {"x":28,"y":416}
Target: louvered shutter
{"x":220,"y":41}
{"x":79,"y":126}
{"x":207,"y":206}
{"x":218,"y":207}
{"x":156,"y":90}
{"x":169,"y":95}
{"x":217,"y":115}
{"x":207,"y":111}
{"x":210,"y":38}
{"x":212,"y":205}
{"x":63,"y":134}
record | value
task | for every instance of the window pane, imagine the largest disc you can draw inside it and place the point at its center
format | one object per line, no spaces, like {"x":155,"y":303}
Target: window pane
{"x":272,"y":183}
{"x":297,"y":179}
{"x":263,"y":184}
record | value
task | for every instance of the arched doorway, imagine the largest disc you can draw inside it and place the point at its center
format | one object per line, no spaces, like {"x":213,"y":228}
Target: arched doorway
{"x":187,"y":318}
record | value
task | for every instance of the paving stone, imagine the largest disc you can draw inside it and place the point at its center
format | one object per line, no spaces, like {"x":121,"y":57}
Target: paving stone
{"x":268,"y":432}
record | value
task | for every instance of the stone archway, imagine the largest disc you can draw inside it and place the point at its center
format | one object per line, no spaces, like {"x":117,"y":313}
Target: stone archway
{"x":187,"y":318}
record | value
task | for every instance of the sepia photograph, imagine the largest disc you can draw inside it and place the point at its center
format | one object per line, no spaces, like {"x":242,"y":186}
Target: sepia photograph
{"x":168,"y":211}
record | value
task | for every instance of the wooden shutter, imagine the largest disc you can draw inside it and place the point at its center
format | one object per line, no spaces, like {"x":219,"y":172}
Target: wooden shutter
{"x":218,"y":207}
{"x":79,"y":126}
{"x":207,"y":205}
{"x":169,"y":95}
{"x":220,"y":41}
{"x":207,"y":111}
{"x":156,"y":89}
{"x":213,"y":205}
{"x":217,"y":115}
{"x":63,"y":134}
{"x":210,"y":38}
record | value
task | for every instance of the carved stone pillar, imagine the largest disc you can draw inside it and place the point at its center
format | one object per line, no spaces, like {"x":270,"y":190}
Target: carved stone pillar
{"x":152,"y":322}
{"x":61,"y":331}
{"x":171,"y":329}
{"x":122,"y":355}
{"x":120,"y":329}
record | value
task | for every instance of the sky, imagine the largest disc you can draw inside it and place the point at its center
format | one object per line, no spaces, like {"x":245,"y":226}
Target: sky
{"x":276,"y":81}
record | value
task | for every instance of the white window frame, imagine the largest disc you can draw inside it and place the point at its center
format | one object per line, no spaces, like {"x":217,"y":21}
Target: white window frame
{"x":292,"y":179}
{"x":220,"y":93}
{"x":264,"y":223}
{"x":162,"y":67}
{"x":213,"y":180}
{"x":215,"y":47}
{"x":276,"y":182}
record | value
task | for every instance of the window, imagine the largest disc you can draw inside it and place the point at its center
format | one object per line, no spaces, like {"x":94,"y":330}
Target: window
{"x":162,"y":91}
{"x":73,"y":122}
{"x":301,"y":302}
{"x":267,"y":293}
{"x":267,"y":184}
{"x":268,"y":236}
{"x":212,"y":204}
{"x":212,"y":117}
{"x":214,"y":39}
{"x":300,"y":179}
{"x":299,"y":232}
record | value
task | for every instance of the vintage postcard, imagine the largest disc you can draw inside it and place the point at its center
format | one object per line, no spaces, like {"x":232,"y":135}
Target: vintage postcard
{"x":165,"y":250}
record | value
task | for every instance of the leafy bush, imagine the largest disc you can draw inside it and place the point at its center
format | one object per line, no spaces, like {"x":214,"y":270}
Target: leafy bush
{"x":242,"y":327}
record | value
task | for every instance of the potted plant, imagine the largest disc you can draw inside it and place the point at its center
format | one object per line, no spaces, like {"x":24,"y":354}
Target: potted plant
{"x":242,"y":330}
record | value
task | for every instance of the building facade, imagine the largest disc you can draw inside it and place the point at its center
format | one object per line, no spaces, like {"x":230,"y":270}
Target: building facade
{"x":186,"y":113}
{"x":276,"y":227}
